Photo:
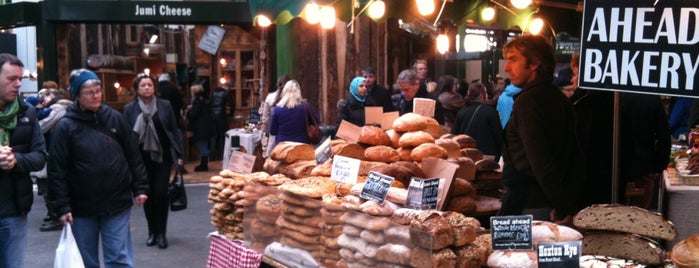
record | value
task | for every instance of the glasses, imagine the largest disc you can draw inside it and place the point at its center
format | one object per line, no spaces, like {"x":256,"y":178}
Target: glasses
{"x":91,"y":93}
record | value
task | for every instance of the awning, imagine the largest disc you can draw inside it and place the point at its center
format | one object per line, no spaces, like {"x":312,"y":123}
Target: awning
{"x":20,"y":14}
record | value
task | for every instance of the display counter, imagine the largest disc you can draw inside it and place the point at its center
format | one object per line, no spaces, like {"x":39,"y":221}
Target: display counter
{"x":680,"y":201}
{"x":249,"y":141}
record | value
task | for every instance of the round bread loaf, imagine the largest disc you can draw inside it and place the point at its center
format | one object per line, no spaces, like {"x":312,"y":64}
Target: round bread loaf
{"x":404,"y":154}
{"x":512,"y":258}
{"x":412,"y":166}
{"x":402,"y":175}
{"x":453,"y":148}
{"x":414,"y":138}
{"x":462,"y":187}
{"x":543,"y":231}
{"x":685,"y":254}
{"x":465,"y":141}
{"x":428,"y":150}
{"x":381,"y":153}
{"x":373,"y":136}
{"x":409,"y":122}
{"x":487,"y":165}
{"x":433,"y":127}
{"x":472,"y":153}
{"x":431,"y":231}
{"x":347,"y":149}
{"x":463,"y":204}
{"x":394,"y":137}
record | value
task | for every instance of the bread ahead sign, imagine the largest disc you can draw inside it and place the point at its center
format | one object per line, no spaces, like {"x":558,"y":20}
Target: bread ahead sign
{"x":644,"y":46}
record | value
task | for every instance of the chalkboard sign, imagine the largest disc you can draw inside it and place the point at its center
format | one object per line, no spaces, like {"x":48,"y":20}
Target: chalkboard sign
{"x":559,"y":255}
{"x":376,"y":187}
{"x":511,"y":232}
{"x":423,"y":193}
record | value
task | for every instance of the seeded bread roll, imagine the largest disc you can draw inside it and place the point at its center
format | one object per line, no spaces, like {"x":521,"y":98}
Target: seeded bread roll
{"x":685,"y":254}
{"x":627,"y":219}
{"x":409,"y":122}
{"x":431,"y":231}
{"x":373,"y":136}
{"x":414,"y":138}
{"x":624,"y":246}
{"x":381,"y":153}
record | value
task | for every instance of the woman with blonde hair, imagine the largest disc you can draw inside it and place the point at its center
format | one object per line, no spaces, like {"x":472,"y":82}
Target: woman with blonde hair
{"x":289,"y":116}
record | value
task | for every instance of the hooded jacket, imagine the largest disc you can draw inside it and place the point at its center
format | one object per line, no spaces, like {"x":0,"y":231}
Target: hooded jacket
{"x":94,"y":163}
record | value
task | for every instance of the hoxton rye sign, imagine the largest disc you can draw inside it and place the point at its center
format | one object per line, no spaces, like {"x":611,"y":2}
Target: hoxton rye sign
{"x":644,"y":46}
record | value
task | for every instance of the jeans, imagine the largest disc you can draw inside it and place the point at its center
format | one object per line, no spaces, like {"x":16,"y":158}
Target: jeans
{"x":116,"y":239}
{"x":204,"y":147}
{"x":13,"y":240}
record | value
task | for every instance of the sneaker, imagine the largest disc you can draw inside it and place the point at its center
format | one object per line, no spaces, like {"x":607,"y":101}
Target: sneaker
{"x":51,"y":226}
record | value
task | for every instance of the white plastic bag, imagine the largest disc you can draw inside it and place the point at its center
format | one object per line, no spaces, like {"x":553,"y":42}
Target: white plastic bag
{"x":67,"y":252}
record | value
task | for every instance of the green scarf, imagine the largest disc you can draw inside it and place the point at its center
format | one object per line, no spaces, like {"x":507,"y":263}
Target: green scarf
{"x":8,"y":121}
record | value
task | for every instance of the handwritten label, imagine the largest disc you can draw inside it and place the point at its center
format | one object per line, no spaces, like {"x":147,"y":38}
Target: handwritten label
{"x":241,"y":162}
{"x":511,"y":232}
{"x":211,"y":39}
{"x":560,"y":254}
{"x":424,"y":106}
{"x":323,"y":151}
{"x":423,"y":193}
{"x":345,"y":169}
{"x":376,"y":187}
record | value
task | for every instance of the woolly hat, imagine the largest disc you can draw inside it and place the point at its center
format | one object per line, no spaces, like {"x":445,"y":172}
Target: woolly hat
{"x":32,"y":100}
{"x":78,"y":81}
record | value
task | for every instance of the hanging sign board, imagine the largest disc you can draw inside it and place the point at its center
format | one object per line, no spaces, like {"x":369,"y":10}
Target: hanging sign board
{"x":212,"y":39}
{"x":646,"y":46}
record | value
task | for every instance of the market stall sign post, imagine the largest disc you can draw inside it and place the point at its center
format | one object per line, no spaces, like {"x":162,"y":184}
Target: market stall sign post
{"x":649,"y":47}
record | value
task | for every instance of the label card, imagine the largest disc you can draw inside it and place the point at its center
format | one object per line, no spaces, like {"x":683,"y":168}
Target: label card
{"x":511,"y":232}
{"x":348,"y":131}
{"x":423,"y":193}
{"x":559,"y":255}
{"x":241,"y":162}
{"x":440,"y":168}
{"x":423,"y":106}
{"x":345,"y":169}
{"x":323,"y":151}
{"x":387,"y":120}
{"x":376,"y":187}
{"x":211,"y":39}
{"x":373,"y":115}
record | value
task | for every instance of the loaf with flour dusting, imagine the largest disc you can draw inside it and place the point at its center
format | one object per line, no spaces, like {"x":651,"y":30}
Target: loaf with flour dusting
{"x":628,"y":219}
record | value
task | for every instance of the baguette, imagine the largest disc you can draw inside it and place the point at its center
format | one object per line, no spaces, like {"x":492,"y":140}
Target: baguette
{"x":626,"y":219}
{"x":623,"y":246}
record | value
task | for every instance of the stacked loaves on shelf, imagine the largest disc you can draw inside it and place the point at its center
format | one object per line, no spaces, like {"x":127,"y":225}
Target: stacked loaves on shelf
{"x":624,"y":232}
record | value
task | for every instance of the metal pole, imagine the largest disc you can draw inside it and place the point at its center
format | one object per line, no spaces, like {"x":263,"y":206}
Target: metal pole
{"x":615,"y":150}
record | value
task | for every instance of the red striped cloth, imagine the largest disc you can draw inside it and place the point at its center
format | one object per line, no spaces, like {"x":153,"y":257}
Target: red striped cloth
{"x":225,"y":253}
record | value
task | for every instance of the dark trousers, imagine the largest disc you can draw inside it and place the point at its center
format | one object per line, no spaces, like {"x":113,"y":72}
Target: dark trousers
{"x":41,"y":184}
{"x":158,"y":204}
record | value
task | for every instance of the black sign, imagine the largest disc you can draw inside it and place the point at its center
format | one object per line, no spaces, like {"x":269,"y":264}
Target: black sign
{"x":511,"y":232}
{"x":559,"y":255}
{"x":376,"y":187}
{"x":323,"y":151}
{"x":423,"y":193}
{"x":640,"y":46}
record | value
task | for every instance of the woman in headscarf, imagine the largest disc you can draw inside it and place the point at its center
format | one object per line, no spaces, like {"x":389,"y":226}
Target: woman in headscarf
{"x":160,"y":143}
{"x":352,"y":108}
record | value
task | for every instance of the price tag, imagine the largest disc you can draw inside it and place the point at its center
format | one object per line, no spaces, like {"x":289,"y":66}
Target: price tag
{"x":376,"y":187}
{"x":423,"y":193}
{"x":424,"y":106}
{"x":511,"y":232}
{"x":559,"y":255}
{"x":241,"y":162}
{"x":345,"y":169}
{"x":323,"y":151}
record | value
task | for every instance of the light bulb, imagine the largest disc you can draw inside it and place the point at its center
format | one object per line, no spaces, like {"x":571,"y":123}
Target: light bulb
{"x":377,"y":9}
{"x":223,"y":62}
{"x":426,"y":7}
{"x":488,"y":13}
{"x":312,"y":13}
{"x":263,"y":21}
{"x":442,"y":43}
{"x":222,"y":80}
{"x":327,"y":17}
{"x":117,"y":85}
{"x":146,"y":71}
{"x":536,"y":25}
{"x":520,"y":4}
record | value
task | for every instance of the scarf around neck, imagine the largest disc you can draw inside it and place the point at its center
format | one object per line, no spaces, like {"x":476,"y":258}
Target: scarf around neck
{"x":8,"y":121}
{"x":145,"y":128}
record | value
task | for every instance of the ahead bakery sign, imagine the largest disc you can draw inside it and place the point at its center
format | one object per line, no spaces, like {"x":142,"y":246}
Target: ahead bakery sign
{"x":644,"y":46}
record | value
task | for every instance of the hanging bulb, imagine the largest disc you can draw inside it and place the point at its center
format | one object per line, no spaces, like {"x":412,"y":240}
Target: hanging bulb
{"x":536,"y":26}
{"x":263,"y":21}
{"x":222,"y":80}
{"x":327,"y":17}
{"x":377,"y":9}
{"x":488,"y":13}
{"x":426,"y":7}
{"x":312,"y":13}
{"x":442,"y":43}
{"x":520,"y":4}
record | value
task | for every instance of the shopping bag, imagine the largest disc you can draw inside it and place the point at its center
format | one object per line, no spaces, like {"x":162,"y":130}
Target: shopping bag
{"x":67,"y":252}
{"x":178,"y":195}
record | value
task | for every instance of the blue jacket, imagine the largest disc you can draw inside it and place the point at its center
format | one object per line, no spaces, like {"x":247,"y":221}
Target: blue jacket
{"x":290,"y":124}
{"x":679,"y":117}
{"x":505,"y":102}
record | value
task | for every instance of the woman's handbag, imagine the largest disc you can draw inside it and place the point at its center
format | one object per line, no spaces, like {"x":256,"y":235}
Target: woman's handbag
{"x":67,"y":252}
{"x":178,"y":195}
{"x":312,"y":126}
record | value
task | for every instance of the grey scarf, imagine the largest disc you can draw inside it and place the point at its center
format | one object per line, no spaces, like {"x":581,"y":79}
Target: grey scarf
{"x":145,"y":128}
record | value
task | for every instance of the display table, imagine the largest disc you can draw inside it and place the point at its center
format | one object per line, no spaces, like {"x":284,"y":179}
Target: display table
{"x":680,"y":201}
{"x":225,"y":253}
{"x":249,"y":141}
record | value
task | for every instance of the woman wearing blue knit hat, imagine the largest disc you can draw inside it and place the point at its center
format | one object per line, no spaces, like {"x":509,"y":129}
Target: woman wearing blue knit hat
{"x":95,"y":172}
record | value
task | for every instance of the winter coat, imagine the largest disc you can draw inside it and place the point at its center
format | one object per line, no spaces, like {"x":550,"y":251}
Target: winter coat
{"x":644,"y":136}
{"x":219,"y":101}
{"x":27,"y":142}
{"x":169,"y":92}
{"x":290,"y":124}
{"x":166,"y":118}
{"x":95,"y":167}
{"x":199,"y":119}
{"x":379,"y":96}
{"x":484,"y":126}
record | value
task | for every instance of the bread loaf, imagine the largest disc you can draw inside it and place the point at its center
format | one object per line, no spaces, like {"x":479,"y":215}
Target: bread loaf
{"x":472,"y":153}
{"x":464,"y":227}
{"x":431,"y":231}
{"x":298,"y":169}
{"x":412,"y":166}
{"x":404,"y":154}
{"x":271,"y":166}
{"x":464,"y":204}
{"x":409,"y":122}
{"x":465,"y":141}
{"x":414,"y":138}
{"x":594,"y":261}
{"x":543,"y":231}
{"x":453,"y":148}
{"x":627,"y":219}
{"x":512,"y":259}
{"x":428,"y":150}
{"x":373,"y":136}
{"x":444,"y":258}
{"x":433,"y":127}
{"x":685,"y":254}
{"x":466,"y":169}
{"x":624,"y":246}
{"x":348,"y":149}
{"x":381,"y":153}
{"x":474,"y":255}
{"x":400,"y":174}
{"x":289,"y":152}
{"x":394,"y":137}
{"x":394,"y":253}
{"x":324,"y":169}
{"x":486,"y":165}
{"x":461,"y":187}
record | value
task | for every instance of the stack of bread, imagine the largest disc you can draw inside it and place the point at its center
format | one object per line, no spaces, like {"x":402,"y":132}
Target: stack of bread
{"x":331,"y":228}
{"x":542,"y":232}
{"x":293,"y":159}
{"x":624,"y":232}
{"x":259,"y":221}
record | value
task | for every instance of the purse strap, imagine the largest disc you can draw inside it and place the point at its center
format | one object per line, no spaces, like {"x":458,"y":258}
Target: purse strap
{"x":472,"y":116}
{"x":309,"y":114}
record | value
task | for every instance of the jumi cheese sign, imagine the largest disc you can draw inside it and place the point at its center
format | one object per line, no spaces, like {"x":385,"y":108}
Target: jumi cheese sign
{"x":644,"y":46}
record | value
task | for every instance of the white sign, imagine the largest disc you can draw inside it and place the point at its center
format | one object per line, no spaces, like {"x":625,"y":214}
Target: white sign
{"x":345,"y":169}
{"x":212,"y":39}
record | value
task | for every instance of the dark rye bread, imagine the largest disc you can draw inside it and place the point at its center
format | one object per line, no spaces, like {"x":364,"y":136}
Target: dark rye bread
{"x":623,"y":246}
{"x":628,"y":219}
